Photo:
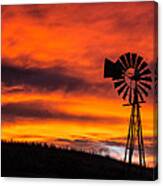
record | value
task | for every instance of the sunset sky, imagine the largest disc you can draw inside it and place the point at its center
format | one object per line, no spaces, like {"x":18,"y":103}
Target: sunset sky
{"x":53,"y":86}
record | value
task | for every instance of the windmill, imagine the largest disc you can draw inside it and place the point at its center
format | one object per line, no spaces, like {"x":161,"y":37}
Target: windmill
{"x":132,"y":80}
{"x":156,"y":81}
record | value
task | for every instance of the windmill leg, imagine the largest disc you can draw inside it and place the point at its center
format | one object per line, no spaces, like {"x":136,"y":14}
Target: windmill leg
{"x":139,"y":136}
{"x":131,"y":146}
{"x":139,"y":147}
{"x":142,"y":144}
{"x":130,"y":138}
{"x":140,"y":140}
{"x":130,"y":155}
{"x":127,"y":144}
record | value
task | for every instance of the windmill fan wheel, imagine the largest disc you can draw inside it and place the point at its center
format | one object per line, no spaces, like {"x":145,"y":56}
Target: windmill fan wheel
{"x":135,"y":73}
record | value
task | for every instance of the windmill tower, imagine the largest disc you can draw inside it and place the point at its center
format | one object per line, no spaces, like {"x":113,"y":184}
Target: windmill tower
{"x":132,"y":80}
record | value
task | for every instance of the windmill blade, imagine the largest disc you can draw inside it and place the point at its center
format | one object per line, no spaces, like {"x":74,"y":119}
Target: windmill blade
{"x":140,"y":96}
{"x":125,"y":93}
{"x":133,"y":59}
{"x":145,"y":85}
{"x":128,"y":59}
{"x":123,"y":60}
{"x":143,"y":90}
{"x":122,"y":88}
{"x":142,"y":66}
{"x":145,"y":72}
{"x":148,"y":78}
{"x":119,"y":83}
{"x":121,"y":65}
{"x":139,"y":60}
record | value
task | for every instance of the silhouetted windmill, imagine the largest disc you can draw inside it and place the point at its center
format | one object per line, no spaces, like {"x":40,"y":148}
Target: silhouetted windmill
{"x":156,"y":81}
{"x":132,"y":80}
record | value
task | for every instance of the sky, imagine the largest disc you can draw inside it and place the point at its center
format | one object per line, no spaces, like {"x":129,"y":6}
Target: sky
{"x":53,"y":86}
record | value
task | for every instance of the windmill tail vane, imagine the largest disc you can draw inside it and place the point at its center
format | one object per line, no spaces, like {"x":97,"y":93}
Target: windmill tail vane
{"x":132,"y":80}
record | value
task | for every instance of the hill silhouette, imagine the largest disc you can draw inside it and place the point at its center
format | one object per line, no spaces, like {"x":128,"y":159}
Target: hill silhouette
{"x":37,"y":160}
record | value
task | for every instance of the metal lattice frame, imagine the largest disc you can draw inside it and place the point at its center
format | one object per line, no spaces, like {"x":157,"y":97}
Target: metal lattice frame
{"x":135,"y":133}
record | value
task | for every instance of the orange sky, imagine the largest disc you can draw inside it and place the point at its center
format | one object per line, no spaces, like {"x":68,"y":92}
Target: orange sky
{"x":53,"y":88}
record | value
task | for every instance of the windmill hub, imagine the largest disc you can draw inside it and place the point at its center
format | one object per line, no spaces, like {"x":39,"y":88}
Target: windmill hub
{"x":130,"y":77}
{"x":130,"y":73}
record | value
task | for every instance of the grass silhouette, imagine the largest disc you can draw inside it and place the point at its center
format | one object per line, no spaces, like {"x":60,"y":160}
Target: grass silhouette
{"x":37,"y":160}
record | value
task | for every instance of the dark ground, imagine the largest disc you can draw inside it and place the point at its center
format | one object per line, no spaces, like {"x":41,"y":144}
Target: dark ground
{"x":36,"y":160}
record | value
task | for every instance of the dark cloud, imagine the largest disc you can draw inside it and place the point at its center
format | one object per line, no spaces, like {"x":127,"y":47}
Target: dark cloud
{"x":13,"y":89}
{"x":46,"y":79}
{"x":85,"y":145}
{"x":121,"y":15}
{"x":103,"y":147}
{"x":148,"y":139}
{"x":33,"y":11}
{"x":36,"y":11}
{"x":80,"y":141}
{"x":39,"y":111}
{"x":62,"y":140}
{"x":150,"y":143}
{"x":131,"y":22}
{"x":49,"y":79}
{"x":25,"y":109}
{"x":28,"y":136}
{"x":113,"y":143}
{"x":6,"y":13}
